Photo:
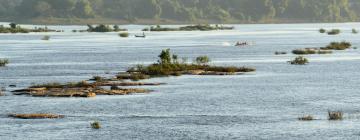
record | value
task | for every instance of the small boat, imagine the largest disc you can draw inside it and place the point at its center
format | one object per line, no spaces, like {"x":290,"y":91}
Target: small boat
{"x":240,"y":44}
{"x":143,"y":35}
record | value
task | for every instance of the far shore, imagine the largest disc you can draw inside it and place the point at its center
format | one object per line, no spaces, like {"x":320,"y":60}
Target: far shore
{"x":77,"y":21}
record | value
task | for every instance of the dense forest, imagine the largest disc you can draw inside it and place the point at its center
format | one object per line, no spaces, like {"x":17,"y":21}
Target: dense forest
{"x":183,"y":11}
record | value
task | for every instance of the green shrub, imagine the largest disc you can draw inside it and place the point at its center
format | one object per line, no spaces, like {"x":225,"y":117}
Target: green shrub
{"x":334,"y":32}
{"x":337,"y":115}
{"x":95,"y":125}
{"x":337,"y":46}
{"x":354,"y":31}
{"x":4,"y":62}
{"x":125,"y":34}
{"x":202,"y":60}
{"x":104,"y":28}
{"x":300,"y":60}
{"x":199,"y":27}
{"x":169,"y":65}
{"x":322,"y":30}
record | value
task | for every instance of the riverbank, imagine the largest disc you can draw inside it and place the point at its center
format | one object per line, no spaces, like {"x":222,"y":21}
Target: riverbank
{"x":81,"y":21}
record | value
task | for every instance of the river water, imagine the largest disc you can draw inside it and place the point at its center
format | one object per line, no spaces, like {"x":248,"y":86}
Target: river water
{"x":260,"y":105}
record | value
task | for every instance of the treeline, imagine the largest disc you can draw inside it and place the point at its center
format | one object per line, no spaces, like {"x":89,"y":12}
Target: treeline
{"x":219,"y":11}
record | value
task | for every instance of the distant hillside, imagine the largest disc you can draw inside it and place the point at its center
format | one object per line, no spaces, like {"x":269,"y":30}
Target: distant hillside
{"x":179,"y":11}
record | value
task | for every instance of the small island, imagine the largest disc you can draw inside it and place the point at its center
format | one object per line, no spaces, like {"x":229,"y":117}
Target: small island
{"x":15,"y":28}
{"x":104,"y":28}
{"x":199,"y":27}
{"x":167,"y":65}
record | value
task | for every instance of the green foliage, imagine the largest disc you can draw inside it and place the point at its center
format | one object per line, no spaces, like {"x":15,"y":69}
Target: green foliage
{"x":202,"y":60}
{"x":338,"y":46}
{"x":103,"y":28}
{"x":14,"y":28}
{"x":95,"y":125}
{"x":165,"y":57}
{"x":334,"y":32}
{"x":322,"y":30}
{"x":354,"y":31}
{"x":198,"y":27}
{"x":300,"y":60}
{"x":4,"y":62}
{"x":13,"y":25}
{"x":168,"y":64}
{"x":125,"y":34}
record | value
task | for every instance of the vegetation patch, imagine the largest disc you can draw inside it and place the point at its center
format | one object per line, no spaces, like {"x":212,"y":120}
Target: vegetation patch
{"x":334,"y":32}
{"x":300,"y":60}
{"x":337,"y":46}
{"x":14,"y":28}
{"x":95,"y":125}
{"x":199,"y":27}
{"x":4,"y":62}
{"x":125,"y":34}
{"x":322,"y":30}
{"x":306,"y":118}
{"x":170,"y":65}
{"x":36,"y":116}
{"x":335,"y":115}
{"x":104,"y":28}
{"x":354,"y":31}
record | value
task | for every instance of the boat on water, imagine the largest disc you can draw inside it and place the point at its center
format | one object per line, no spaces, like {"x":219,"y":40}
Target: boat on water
{"x":241,"y":44}
{"x":142,"y":36}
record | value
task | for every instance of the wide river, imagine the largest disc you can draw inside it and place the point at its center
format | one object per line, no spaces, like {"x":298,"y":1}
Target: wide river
{"x":260,"y":105}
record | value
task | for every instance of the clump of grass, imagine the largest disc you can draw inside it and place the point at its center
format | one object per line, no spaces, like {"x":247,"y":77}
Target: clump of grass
{"x":354,"y":31}
{"x":335,"y":115}
{"x":306,"y":118}
{"x":300,"y":60}
{"x":334,"y":32}
{"x":322,"y":30}
{"x":124,"y":34}
{"x":45,"y":37}
{"x":280,"y":53}
{"x":95,"y":125}
{"x":337,"y":46}
{"x":4,"y":62}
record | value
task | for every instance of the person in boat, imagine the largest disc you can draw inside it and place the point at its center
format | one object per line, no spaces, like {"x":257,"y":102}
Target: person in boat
{"x":143,"y":35}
